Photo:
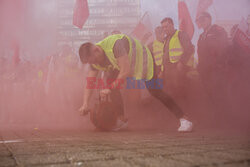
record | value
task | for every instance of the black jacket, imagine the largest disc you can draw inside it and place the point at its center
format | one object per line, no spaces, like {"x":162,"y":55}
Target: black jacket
{"x":212,"y":45}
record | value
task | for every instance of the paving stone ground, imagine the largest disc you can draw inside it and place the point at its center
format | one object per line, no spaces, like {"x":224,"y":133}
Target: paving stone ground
{"x":123,"y":149}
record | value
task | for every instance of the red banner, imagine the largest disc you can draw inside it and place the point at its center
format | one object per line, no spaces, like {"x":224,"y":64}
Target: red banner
{"x":185,"y":20}
{"x":142,"y":31}
{"x":81,"y":13}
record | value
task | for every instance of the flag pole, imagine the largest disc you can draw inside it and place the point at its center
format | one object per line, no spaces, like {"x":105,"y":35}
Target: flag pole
{"x":140,"y":20}
{"x":143,"y":16}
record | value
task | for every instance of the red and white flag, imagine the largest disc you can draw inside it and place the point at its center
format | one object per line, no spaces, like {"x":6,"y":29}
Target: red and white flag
{"x":81,"y":13}
{"x":203,"y":5}
{"x":143,"y":30}
{"x":185,"y":20}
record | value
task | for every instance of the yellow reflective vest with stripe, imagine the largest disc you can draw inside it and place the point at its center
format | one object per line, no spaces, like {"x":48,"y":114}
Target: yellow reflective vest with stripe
{"x":176,"y":50}
{"x":140,"y":58}
{"x":158,"y":53}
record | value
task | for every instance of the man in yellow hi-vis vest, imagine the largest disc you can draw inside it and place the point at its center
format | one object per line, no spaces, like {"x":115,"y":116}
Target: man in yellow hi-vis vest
{"x":156,"y":48}
{"x":178,"y":58}
{"x":124,"y":57}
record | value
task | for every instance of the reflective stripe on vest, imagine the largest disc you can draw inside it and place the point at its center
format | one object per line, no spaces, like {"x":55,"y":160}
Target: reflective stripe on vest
{"x":158,"y":53}
{"x":141,"y":61}
{"x":175,"y":48}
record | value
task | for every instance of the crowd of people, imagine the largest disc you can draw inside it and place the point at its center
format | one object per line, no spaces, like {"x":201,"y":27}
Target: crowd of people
{"x":221,"y":70}
{"x":35,"y":91}
{"x":174,"y":62}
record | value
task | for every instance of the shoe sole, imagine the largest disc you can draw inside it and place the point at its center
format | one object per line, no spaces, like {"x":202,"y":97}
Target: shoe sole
{"x":125,"y":125}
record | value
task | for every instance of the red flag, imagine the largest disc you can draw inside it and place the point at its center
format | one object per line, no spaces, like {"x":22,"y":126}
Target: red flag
{"x":142,"y":31}
{"x":81,"y":13}
{"x":185,"y":20}
{"x":203,"y":6}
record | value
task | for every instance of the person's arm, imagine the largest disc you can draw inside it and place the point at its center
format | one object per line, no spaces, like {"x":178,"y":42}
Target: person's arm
{"x":188,"y":47}
{"x":84,"y":109}
{"x":121,"y":49}
{"x":121,"y":55}
{"x":123,"y":63}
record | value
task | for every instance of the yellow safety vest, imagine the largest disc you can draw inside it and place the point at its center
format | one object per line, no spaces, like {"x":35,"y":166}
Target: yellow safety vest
{"x":158,"y":53}
{"x":140,"y":58}
{"x":176,"y":50}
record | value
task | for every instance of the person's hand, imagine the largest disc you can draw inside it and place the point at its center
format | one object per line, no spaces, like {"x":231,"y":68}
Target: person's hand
{"x":104,"y":93}
{"x":84,"y":109}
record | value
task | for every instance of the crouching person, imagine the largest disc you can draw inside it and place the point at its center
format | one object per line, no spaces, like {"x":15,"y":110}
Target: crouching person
{"x":125,"y":57}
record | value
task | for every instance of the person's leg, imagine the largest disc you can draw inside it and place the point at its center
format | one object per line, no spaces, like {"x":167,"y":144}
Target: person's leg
{"x":116,"y":98}
{"x":115,"y":95}
{"x":182,"y":84}
{"x":161,"y":95}
{"x":169,"y":79}
{"x":167,"y":101}
{"x":185,"y":125}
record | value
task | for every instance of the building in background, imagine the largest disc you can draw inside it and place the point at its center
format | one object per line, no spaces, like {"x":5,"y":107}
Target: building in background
{"x":105,"y":16}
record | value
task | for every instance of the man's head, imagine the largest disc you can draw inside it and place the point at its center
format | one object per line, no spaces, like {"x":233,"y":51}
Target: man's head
{"x":203,"y":20}
{"x":159,"y":33}
{"x":90,"y":53}
{"x":167,"y":25}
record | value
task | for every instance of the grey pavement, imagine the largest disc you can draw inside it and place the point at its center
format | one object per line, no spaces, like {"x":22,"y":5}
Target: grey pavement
{"x":122,"y":149}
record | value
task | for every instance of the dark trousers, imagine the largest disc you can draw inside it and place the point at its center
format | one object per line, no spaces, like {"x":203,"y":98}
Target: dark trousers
{"x":176,"y":82}
{"x":215,"y":85}
{"x":116,"y":98}
{"x":167,"y":100}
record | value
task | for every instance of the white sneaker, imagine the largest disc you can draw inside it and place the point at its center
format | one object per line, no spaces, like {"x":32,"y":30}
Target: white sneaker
{"x":120,"y":125}
{"x":186,"y":126}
